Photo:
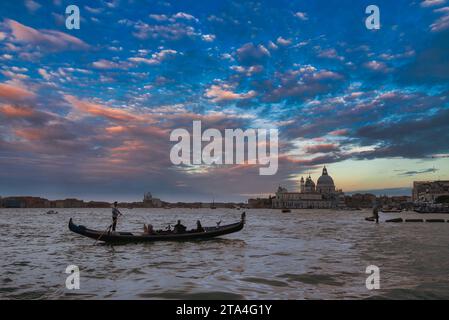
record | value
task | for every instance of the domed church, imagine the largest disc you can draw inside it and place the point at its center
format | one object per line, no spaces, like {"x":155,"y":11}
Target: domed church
{"x":325,"y":183}
{"x":311,"y":196}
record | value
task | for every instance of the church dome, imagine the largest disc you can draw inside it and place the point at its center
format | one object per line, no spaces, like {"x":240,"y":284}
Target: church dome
{"x":325,"y":183}
{"x":325,"y":180}
{"x":309,"y":182}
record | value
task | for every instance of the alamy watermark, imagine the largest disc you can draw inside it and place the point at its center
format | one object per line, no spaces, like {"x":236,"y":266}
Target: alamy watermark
{"x":72,"y":21}
{"x":72,"y":282}
{"x":373,"y":20}
{"x":372,"y":282}
{"x":256,"y":142}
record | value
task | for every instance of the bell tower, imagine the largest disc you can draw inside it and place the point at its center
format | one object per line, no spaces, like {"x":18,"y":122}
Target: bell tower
{"x":324,"y":171}
{"x":301,"y":185}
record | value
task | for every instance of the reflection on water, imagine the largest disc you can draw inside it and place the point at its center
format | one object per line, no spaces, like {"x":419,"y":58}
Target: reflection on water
{"x":305,"y":254}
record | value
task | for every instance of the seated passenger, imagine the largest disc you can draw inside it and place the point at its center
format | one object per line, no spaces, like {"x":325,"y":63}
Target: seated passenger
{"x":148,"y":229}
{"x":199,"y":227}
{"x":179,"y":228}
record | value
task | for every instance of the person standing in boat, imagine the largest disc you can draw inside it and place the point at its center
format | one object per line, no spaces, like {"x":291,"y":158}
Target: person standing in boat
{"x":376,"y":214}
{"x":115,"y":214}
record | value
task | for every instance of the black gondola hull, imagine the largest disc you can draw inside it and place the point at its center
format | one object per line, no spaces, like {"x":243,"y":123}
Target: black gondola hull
{"x":128,"y":237}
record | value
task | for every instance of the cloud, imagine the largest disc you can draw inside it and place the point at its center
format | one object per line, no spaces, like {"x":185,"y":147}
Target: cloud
{"x":13,"y":92}
{"x":32,"y":5}
{"x":430,"y":65}
{"x":432,"y":3}
{"x":442,"y":23}
{"x":416,"y":172}
{"x":208,"y":37}
{"x":156,"y":58}
{"x":377,"y":66}
{"x":12,"y":111}
{"x":250,"y":54}
{"x":44,"y":74}
{"x":185,"y":16}
{"x":283,"y":42}
{"x":330,"y":54}
{"x":93,"y":10}
{"x":339,"y":132}
{"x":174,"y":31}
{"x":46,"y":39}
{"x":107,"y":64}
{"x":322,"y":148}
{"x":409,"y":139}
{"x":248,"y":71}
{"x":300,"y":84}
{"x":99,"y":110}
{"x":159,"y":17}
{"x":50,"y":133}
{"x":224,"y":92}
{"x":301,"y":15}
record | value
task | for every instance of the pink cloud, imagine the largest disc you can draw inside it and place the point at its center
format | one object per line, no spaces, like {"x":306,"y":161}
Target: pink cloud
{"x":106,"y":64}
{"x":220,"y":93}
{"x":377,"y":66}
{"x":100,"y":110}
{"x":16,"y":111}
{"x":12,"y":92}
{"x":340,"y":132}
{"x":322,"y":148}
{"x":49,"y":39}
{"x":432,"y":3}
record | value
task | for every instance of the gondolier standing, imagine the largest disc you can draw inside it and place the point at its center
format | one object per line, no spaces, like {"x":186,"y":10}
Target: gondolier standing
{"x":115,"y":214}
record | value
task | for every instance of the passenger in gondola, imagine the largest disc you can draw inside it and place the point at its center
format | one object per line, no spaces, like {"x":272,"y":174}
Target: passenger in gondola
{"x":148,"y":229}
{"x":199,"y":227}
{"x":179,"y":227}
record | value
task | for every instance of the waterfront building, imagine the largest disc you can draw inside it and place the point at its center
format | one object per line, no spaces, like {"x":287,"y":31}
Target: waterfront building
{"x":149,"y":201}
{"x":430,"y":191}
{"x":260,"y":203}
{"x":323,"y":195}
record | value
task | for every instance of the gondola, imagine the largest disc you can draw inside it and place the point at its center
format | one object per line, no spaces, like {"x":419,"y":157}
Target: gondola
{"x":130,"y":237}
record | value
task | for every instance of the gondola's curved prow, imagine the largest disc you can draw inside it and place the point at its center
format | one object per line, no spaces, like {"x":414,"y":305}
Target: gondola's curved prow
{"x":114,"y":236}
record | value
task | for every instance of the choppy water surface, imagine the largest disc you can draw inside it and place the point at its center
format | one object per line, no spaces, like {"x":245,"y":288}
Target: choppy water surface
{"x":304,"y":254}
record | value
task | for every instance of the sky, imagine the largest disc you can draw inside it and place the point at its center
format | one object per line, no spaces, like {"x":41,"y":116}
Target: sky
{"x":88,"y":113}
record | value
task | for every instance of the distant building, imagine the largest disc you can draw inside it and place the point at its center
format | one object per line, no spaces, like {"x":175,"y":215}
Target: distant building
{"x":260,"y":203}
{"x":429,"y":191}
{"x":361,"y":200}
{"x":73,"y":203}
{"x":149,"y":201}
{"x":323,"y":195}
{"x":25,"y":202}
{"x":13,"y":202}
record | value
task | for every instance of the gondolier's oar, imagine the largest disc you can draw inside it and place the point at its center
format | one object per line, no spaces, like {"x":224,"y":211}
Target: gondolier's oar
{"x":102,"y":234}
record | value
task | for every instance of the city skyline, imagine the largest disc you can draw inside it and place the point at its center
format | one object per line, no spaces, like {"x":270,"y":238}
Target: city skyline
{"x":88,"y":113}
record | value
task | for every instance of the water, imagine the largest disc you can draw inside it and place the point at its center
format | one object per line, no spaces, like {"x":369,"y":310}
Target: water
{"x":305,"y":254}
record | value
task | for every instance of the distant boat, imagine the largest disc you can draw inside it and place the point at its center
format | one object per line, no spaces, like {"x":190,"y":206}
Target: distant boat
{"x":52,"y":212}
{"x":286,"y":210}
{"x":213,"y":205}
{"x":432,"y":209}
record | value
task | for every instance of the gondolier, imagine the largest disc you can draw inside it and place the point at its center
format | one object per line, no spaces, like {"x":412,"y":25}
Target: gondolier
{"x":115,"y":214}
